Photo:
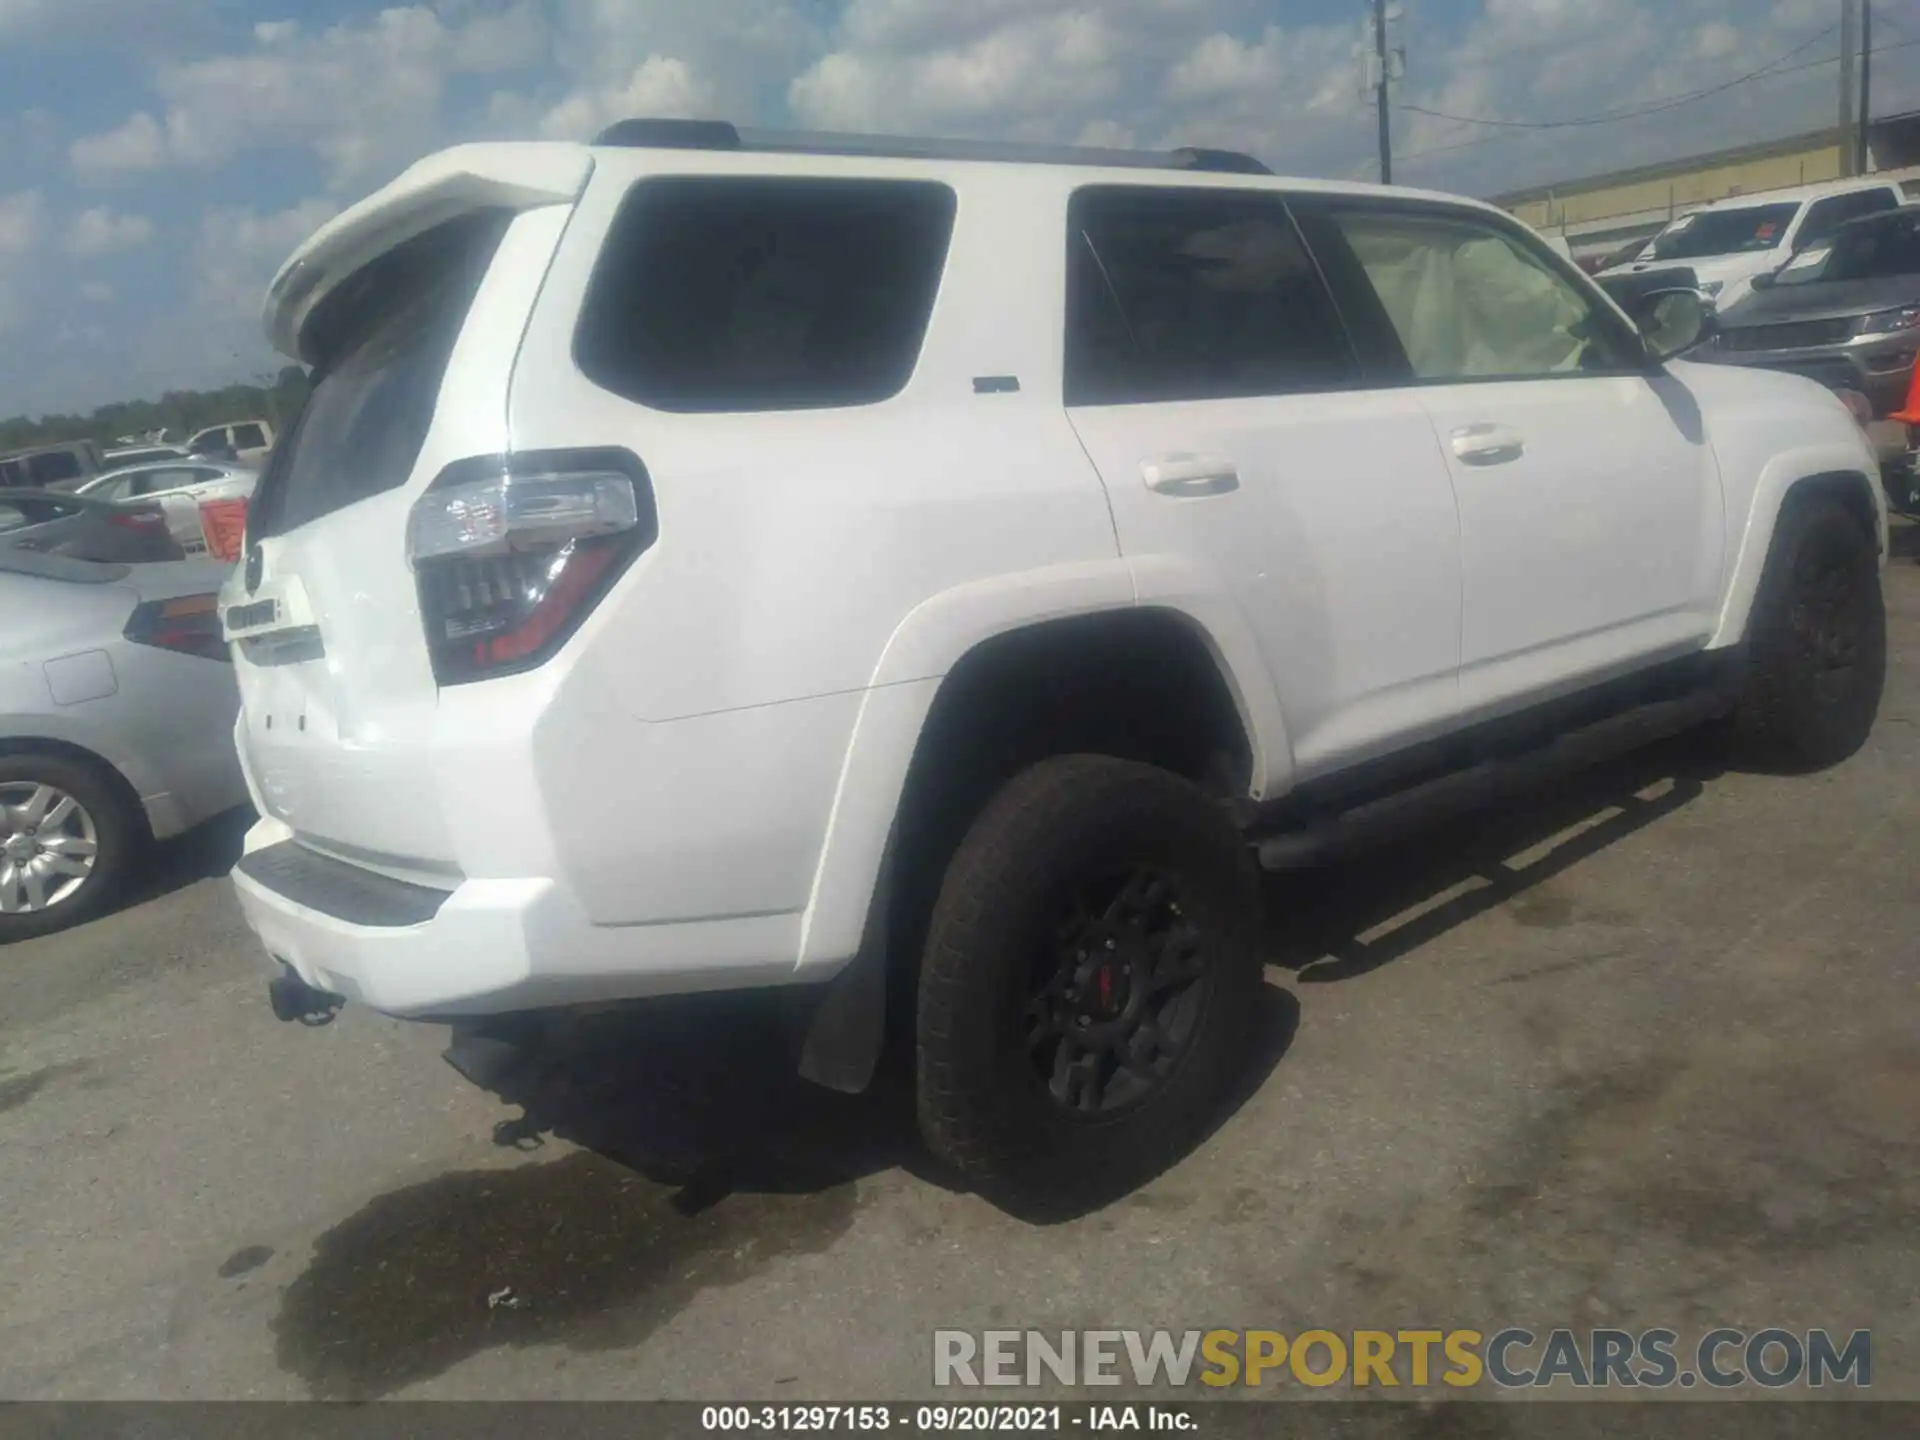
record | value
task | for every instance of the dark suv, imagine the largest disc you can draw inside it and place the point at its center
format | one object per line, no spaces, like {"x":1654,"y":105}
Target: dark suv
{"x":1847,"y":315}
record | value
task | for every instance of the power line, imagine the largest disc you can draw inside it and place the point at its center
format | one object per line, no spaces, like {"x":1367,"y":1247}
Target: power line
{"x":1505,"y":130}
{"x":1608,"y":117}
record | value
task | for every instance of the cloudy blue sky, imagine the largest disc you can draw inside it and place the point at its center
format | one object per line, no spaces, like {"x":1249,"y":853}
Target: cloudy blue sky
{"x":159,"y":158}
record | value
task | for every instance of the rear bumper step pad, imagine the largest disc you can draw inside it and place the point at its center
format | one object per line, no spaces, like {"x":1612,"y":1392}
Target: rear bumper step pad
{"x":333,"y":887}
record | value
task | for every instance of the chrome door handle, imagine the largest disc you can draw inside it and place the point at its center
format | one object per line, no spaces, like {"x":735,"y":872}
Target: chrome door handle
{"x":1189,"y":476}
{"x":1488,"y":444}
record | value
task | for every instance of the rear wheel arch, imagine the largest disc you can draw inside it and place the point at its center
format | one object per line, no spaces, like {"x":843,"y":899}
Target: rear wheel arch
{"x":109,"y":774}
{"x":1142,"y":683}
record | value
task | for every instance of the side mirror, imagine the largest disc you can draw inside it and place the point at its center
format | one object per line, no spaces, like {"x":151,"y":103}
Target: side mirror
{"x":1674,"y":321}
{"x":1764,"y":281}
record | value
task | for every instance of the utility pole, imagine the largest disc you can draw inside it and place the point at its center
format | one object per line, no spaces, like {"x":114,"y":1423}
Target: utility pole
{"x":1380,"y":60}
{"x":1849,"y":45}
{"x":1381,"y":63}
{"x":1862,"y":157}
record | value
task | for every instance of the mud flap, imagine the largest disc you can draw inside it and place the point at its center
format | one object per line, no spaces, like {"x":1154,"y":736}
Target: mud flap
{"x":846,"y":1031}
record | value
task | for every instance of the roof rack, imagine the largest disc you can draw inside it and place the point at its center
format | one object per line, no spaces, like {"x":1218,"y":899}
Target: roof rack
{"x":722,"y":135}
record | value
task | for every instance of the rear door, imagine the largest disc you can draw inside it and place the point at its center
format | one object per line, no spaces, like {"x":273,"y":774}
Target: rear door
{"x":1589,"y":500}
{"x":337,"y":690}
{"x":1211,"y":380}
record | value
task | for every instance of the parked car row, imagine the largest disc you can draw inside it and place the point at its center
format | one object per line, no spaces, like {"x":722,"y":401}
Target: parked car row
{"x":73,"y":463}
{"x":1843,"y":309}
{"x":81,"y":527}
{"x":1720,"y":248}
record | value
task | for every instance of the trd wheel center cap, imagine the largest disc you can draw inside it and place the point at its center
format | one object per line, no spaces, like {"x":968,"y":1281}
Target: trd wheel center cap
{"x":22,"y":847}
{"x":1104,"y":985}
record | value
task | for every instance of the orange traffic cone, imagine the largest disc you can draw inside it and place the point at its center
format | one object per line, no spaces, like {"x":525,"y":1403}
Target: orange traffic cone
{"x":1909,"y":414}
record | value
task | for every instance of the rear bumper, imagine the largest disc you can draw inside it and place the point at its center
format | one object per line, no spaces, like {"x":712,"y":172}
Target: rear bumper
{"x":489,"y":946}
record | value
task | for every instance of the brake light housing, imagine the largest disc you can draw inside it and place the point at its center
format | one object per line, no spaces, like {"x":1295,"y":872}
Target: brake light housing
{"x":141,"y":519}
{"x":189,"y":624}
{"x":511,"y":552}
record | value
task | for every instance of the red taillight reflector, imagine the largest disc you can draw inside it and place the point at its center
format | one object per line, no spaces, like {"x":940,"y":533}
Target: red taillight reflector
{"x":189,"y":624}
{"x":584,"y":564}
{"x":510,"y":553}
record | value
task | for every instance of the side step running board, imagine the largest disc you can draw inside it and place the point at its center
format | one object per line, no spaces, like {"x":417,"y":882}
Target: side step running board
{"x":1374,"y":822}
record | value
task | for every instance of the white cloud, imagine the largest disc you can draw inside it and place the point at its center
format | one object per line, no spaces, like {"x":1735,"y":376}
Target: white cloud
{"x":238,"y":249}
{"x":660,"y":88}
{"x":94,"y":21}
{"x":718,"y":59}
{"x":365,"y":95}
{"x":22,"y":220}
{"x":1152,"y":72}
{"x":101,"y":231}
{"x":137,"y":144}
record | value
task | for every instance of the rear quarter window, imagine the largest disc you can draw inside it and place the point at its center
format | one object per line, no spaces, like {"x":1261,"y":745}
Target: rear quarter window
{"x":718,"y":294}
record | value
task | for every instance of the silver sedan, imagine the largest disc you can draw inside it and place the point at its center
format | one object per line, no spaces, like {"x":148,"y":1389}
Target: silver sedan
{"x":179,"y":487}
{"x":117,"y":702}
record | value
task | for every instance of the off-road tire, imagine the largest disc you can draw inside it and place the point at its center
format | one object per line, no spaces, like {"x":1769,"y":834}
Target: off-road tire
{"x":1816,"y":643}
{"x":119,"y":830}
{"x":984,"y":1105}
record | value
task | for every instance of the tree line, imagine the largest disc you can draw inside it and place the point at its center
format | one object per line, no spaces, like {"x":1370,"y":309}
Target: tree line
{"x":178,"y":412}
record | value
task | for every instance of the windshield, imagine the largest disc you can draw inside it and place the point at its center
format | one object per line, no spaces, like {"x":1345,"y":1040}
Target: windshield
{"x":1725,"y":232}
{"x":1879,"y":249}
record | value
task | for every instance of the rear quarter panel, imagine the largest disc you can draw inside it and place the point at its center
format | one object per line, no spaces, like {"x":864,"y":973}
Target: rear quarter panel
{"x":702,"y":716}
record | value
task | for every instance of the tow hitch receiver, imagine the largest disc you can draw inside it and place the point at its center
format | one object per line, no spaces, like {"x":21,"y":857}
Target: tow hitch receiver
{"x":293,"y":999}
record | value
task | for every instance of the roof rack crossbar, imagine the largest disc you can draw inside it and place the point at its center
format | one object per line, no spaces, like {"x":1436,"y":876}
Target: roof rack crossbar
{"x":720,"y":135}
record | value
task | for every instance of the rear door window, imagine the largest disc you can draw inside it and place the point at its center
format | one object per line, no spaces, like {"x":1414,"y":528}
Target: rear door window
{"x":1187,"y":294}
{"x":383,"y":339}
{"x":249,"y":437}
{"x":718,"y":294}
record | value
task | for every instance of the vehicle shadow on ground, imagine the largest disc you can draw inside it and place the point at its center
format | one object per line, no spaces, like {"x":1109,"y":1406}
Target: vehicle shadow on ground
{"x":1327,"y":925}
{"x":700,"y":1092}
{"x":206,"y":852}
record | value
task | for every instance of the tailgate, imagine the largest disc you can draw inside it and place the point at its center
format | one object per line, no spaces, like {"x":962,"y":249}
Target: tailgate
{"x":414,"y":351}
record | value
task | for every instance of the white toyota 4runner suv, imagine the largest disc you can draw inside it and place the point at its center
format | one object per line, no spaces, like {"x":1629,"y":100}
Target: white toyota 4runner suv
{"x":879,"y":568}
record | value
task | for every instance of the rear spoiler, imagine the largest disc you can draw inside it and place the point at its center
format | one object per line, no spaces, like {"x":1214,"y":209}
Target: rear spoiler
{"x":439,"y":188}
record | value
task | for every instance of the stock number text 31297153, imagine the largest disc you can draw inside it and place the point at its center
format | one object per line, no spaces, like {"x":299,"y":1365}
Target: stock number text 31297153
{"x":912,"y":1419}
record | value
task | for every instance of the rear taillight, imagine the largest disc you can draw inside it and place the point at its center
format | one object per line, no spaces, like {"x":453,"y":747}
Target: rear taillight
{"x":138,"y":519}
{"x":189,"y":624}
{"x":510,"y":553}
